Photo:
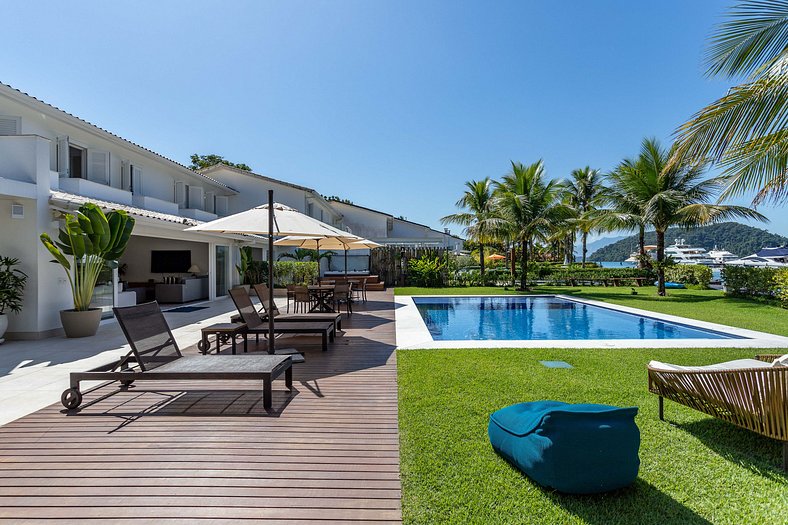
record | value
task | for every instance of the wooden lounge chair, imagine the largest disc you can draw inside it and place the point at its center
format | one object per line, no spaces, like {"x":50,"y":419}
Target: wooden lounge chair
{"x":750,"y":393}
{"x":256,"y":326}
{"x":155,"y":356}
{"x":279,"y":317}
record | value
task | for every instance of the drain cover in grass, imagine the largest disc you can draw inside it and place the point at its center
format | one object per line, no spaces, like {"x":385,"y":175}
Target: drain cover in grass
{"x":556,"y":364}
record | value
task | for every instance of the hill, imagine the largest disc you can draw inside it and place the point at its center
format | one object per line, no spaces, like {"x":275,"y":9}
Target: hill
{"x":732,"y":236}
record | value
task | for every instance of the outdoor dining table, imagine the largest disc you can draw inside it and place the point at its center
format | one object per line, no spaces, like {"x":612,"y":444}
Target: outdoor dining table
{"x":323,"y":296}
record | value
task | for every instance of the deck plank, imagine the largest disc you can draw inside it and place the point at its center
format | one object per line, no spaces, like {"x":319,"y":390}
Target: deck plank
{"x":198,"y":452}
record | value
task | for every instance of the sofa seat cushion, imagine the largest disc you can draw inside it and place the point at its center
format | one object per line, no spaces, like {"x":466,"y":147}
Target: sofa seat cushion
{"x":572,"y":448}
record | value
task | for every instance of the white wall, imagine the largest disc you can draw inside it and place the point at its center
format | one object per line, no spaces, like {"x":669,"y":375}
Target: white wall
{"x":253,"y":191}
{"x":364,"y":223}
{"x":158,"y":175}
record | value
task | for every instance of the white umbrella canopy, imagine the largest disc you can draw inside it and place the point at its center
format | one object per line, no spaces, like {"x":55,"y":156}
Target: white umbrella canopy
{"x":273,"y":220}
{"x":328,"y":243}
{"x":349,"y":242}
{"x":287,"y":221}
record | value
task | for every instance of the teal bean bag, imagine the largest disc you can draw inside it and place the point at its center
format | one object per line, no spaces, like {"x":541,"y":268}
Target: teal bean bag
{"x":572,"y":448}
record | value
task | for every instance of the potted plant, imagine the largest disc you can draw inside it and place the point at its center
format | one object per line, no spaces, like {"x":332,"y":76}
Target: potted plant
{"x":92,"y":241}
{"x":12,"y":286}
{"x":243,"y":268}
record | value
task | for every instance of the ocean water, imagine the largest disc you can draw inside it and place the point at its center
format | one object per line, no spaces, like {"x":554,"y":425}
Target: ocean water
{"x":616,"y":264}
{"x":542,"y":318}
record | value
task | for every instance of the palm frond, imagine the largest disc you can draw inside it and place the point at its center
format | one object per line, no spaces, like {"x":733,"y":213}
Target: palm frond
{"x":753,"y":38}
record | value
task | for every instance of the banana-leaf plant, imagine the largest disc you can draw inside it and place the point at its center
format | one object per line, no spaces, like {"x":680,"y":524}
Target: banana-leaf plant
{"x":93,"y":241}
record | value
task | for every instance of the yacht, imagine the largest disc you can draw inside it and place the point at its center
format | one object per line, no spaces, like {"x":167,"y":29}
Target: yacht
{"x":721,"y":257}
{"x":683,"y":253}
{"x":650,"y":250}
{"x":765,"y":258}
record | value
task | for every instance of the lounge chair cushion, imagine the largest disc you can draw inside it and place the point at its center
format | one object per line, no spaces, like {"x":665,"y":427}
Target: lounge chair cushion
{"x":781,"y":361}
{"x":736,"y":364}
{"x":572,"y":448}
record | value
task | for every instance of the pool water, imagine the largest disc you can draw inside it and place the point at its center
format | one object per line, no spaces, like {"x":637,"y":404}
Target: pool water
{"x":542,"y":317}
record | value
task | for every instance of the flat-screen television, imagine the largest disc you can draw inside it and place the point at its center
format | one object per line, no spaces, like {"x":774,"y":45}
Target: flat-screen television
{"x":170,"y":261}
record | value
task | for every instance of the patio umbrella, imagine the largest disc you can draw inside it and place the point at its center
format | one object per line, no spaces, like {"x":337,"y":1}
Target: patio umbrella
{"x":341,"y":242}
{"x":496,"y":257}
{"x":272,"y":219}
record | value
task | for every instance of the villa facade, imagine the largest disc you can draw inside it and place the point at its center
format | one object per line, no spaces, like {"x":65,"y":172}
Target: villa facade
{"x":52,"y":162}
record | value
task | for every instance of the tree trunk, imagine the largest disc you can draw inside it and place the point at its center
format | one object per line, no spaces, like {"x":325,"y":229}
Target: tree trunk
{"x":513,"y":262}
{"x":660,"y":261}
{"x":642,"y":246}
{"x":524,"y":266}
{"x":585,"y":249}
{"x":481,"y":261}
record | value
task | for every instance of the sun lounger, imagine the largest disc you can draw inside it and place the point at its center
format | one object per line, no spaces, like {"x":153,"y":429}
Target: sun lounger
{"x":750,"y":393}
{"x":256,"y":326}
{"x":155,"y":356}
{"x":279,"y":317}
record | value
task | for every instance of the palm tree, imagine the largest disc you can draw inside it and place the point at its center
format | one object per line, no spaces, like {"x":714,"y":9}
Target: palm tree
{"x":745,"y":131}
{"x":479,"y":218}
{"x":625,"y":210}
{"x":583,"y":191}
{"x":530,"y":208}
{"x":676,"y":194}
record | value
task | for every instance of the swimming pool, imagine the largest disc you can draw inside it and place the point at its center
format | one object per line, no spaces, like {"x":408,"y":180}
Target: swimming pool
{"x":507,"y":318}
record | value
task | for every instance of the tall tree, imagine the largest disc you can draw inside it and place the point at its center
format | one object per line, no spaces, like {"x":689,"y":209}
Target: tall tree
{"x":530,"y":208}
{"x":206,"y":161}
{"x":583,"y":191}
{"x":479,"y":217}
{"x":676,"y":194}
{"x":625,"y":209}
{"x":746,"y":130}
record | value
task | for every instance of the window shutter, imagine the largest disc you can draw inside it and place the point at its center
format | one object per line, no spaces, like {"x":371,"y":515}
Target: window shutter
{"x":125,"y":175}
{"x":196,"y":198}
{"x":62,"y":156}
{"x":221,"y":205}
{"x":210,"y":201}
{"x":98,"y":166}
{"x":136,"y":179}
{"x":180,"y":194}
{"x":10,"y":125}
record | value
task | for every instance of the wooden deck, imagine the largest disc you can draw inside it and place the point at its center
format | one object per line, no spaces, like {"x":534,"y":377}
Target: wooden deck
{"x":198,"y":452}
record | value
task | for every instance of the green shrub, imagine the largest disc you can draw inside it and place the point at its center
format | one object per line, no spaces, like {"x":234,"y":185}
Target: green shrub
{"x":426,"y":271}
{"x":780,"y":279}
{"x":295,"y":272}
{"x":749,"y":281}
{"x":696,"y":274}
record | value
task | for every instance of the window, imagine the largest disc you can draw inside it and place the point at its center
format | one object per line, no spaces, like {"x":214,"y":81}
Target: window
{"x":310,"y":209}
{"x":76,"y":162}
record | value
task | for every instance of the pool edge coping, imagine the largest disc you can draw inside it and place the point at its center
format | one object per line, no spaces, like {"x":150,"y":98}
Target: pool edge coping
{"x":412,"y":333}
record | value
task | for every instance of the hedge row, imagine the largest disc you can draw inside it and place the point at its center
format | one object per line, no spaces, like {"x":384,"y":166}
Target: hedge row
{"x":757,"y":282}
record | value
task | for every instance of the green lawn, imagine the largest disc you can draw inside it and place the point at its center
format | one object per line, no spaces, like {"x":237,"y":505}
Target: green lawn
{"x":694,"y":469}
{"x":704,"y":305}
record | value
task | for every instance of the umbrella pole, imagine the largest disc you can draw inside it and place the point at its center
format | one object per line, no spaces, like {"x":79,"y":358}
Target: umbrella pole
{"x":271,"y":348}
{"x":345,"y":262}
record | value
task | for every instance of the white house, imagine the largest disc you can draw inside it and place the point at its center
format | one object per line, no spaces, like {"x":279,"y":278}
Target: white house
{"x":51,"y":162}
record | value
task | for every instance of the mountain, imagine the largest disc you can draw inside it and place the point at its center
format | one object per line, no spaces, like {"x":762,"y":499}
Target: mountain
{"x":597,"y":244}
{"x":732,"y":236}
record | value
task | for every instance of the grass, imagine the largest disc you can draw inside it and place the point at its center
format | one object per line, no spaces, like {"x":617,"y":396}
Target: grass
{"x":694,"y":469}
{"x":704,"y":305}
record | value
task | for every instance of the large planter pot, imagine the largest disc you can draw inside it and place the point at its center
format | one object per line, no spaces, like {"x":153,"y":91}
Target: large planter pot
{"x":3,"y":327}
{"x":80,"y":324}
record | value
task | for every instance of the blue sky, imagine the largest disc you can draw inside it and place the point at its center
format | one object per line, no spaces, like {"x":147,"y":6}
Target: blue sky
{"x":390,"y":104}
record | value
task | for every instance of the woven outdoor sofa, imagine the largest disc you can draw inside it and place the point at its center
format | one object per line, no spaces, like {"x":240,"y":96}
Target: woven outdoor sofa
{"x":750,"y":393}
